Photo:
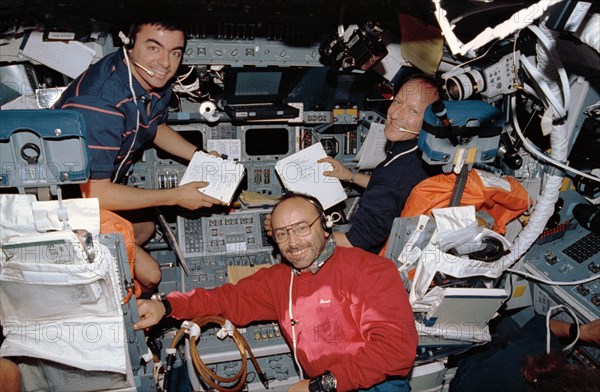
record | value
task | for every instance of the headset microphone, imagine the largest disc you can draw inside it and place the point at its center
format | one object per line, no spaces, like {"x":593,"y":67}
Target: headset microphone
{"x":400,"y":129}
{"x":145,"y":69}
{"x":439,"y":109}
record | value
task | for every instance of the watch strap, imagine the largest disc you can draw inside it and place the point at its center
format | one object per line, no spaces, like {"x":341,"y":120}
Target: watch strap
{"x":573,"y":331}
{"x":168,"y":307}
{"x":163,"y":298}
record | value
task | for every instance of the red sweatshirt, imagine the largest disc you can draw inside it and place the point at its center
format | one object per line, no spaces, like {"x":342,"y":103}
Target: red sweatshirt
{"x":352,"y":317}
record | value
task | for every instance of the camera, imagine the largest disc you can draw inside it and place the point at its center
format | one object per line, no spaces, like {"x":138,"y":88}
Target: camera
{"x":490,"y":81}
{"x":358,"y":48}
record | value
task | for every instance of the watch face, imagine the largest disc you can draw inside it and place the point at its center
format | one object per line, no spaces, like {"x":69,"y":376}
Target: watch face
{"x":158,"y":296}
{"x":328,"y":381}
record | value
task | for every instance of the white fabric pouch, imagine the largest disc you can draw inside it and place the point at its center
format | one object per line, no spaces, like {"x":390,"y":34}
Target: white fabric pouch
{"x":57,"y":303}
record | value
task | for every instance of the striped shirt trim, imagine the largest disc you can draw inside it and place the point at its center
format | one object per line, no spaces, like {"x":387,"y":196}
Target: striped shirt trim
{"x":79,"y":83}
{"x":92,"y":108}
{"x":126,"y":100}
{"x":93,"y":147}
{"x":125,"y":134}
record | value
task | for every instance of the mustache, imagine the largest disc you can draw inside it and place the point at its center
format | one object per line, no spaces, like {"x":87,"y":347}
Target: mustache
{"x":295,"y":248}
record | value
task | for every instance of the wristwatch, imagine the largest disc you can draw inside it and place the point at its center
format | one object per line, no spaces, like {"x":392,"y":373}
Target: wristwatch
{"x":162,"y":297}
{"x":573,"y":331}
{"x":326,"y":382}
{"x":352,"y":177}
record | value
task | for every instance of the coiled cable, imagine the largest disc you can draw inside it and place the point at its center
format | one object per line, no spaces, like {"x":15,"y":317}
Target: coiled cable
{"x":213,"y":380}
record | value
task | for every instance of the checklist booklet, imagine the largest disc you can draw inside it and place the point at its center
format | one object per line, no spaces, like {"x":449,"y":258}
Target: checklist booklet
{"x":223,"y":176}
{"x":301,"y":173}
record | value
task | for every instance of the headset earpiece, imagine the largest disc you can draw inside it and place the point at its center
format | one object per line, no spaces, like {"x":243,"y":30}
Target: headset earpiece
{"x":126,"y":40}
{"x":327,"y":222}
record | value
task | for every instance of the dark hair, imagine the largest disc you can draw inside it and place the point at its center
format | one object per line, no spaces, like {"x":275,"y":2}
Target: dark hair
{"x":154,"y":20}
{"x":552,"y":373}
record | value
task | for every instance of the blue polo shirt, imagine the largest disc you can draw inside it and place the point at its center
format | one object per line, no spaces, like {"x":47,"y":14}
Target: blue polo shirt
{"x":103,"y":96}
{"x":385,"y":195}
{"x":498,"y":366}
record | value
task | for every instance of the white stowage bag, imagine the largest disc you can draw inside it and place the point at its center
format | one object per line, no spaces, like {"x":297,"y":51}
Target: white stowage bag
{"x":433,"y":258}
{"x":456,"y":228}
{"x":56,"y":302}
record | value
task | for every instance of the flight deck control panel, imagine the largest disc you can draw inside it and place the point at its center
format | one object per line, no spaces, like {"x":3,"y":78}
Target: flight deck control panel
{"x":213,"y":246}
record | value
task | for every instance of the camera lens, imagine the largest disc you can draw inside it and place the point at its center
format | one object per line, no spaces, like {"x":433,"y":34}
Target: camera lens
{"x":462,"y":86}
{"x":371,"y":30}
{"x":588,"y":216}
{"x":587,"y":187}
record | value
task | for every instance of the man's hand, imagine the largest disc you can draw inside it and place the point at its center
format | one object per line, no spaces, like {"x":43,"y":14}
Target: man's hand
{"x":339,"y":171}
{"x":188,"y":196}
{"x":117,"y":197}
{"x":151,"y":312}
{"x":301,"y":386}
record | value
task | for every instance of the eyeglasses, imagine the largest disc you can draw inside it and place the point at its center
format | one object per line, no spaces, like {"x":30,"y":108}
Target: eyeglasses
{"x":301,"y":229}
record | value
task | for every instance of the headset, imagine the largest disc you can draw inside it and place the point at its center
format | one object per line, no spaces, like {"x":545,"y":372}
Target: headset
{"x":327,"y":221}
{"x":128,"y":44}
{"x":128,"y":40}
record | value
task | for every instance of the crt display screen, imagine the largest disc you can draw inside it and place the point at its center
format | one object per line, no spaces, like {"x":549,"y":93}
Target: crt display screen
{"x":257,"y":84}
{"x":267,"y":141}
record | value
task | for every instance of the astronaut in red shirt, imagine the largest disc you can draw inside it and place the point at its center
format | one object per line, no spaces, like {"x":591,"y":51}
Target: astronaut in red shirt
{"x":343,"y":311}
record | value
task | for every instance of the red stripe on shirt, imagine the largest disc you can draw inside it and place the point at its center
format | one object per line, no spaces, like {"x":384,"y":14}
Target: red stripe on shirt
{"x":93,"y":147}
{"x":79,"y":83}
{"x":124,"y":101}
{"x":95,"y":109}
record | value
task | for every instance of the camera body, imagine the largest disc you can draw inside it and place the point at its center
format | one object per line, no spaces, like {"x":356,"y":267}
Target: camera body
{"x":489,"y":80}
{"x":358,"y":48}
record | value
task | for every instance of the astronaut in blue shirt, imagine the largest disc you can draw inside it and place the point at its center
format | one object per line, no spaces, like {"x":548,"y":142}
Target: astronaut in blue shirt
{"x":124,"y":99}
{"x":390,"y":183}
